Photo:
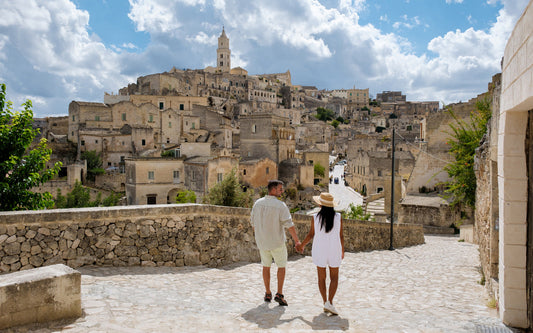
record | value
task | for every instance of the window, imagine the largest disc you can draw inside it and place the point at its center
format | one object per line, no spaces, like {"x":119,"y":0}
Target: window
{"x":192,"y":126}
{"x":267,"y":170}
{"x":177,"y":152}
{"x":151,"y":199}
{"x":108,"y":164}
{"x":151,"y":175}
{"x":143,"y":142}
{"x":161,"y":105}
{"x":244,"y":171}
{"x":97,"y":118}
{"x":176,"y":176}
{"x":221,"y":63}
{"x":182,"y":106}
{"x":123,"y":117}
{"x":379,"y":173}
{"x":220,"y":176}
{"x":95,"y":141}
{"x":73,"y":118}
{"x":151,"y":119}
{"x":83,"y":142}
{"x":169,"y":124}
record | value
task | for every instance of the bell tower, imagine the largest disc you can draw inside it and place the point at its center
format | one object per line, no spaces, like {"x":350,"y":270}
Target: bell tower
{"x":223,"y":53}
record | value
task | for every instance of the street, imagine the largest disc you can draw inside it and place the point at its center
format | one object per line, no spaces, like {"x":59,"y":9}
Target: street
{"x":343,"y":195}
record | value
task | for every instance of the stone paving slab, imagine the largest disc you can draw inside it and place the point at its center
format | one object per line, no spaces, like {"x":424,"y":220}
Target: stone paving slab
{"x":427,"y":288}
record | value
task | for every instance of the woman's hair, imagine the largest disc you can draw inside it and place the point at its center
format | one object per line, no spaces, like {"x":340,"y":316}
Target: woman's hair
{"x":326,"y":215}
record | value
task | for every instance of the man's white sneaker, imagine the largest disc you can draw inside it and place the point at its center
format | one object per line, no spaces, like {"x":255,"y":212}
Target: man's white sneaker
{"x":328,"y":307}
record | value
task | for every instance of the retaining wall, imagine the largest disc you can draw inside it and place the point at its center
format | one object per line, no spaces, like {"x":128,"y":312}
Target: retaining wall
{"x":158,"y":235}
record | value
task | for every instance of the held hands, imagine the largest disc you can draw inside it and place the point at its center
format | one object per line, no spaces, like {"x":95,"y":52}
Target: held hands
{"x":299,"y":247}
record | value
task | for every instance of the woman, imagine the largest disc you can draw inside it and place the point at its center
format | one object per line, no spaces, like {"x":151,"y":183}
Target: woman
{"x":328,"y":247}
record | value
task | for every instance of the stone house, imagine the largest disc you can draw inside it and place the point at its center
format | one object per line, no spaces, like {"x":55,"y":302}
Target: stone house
{"x":295,"y":171}
{"x":314,"y":157}
{"x":151,"y":181}
{"x":257,"y":173}
{"x":369,"y":170}
{"x":390,"y":96}
{"x":313,"y":132}
{"x":266,"y":135}
{"x":203,"y":172}
{"x":356,"y":99}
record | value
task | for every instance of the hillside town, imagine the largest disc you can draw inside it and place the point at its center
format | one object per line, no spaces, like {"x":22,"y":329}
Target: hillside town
{"x":188,"y":129}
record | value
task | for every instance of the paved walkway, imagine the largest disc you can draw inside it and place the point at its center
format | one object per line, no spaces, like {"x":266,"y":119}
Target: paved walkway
{"x":428,"y":288}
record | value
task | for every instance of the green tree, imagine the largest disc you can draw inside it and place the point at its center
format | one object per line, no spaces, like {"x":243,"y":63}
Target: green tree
{"x":324,"y":114}
{"x":464,"y":138}
{"x":186,"y":196}
{"x":112,"y":200}
{"x":229,"y":192}
{"x":22,"y":168}
{"x":335,"y":123}
{"x":355,"y":213}
{"x":80,"y":196}
{"x":94,"y":164}
{"x":319,"y":169}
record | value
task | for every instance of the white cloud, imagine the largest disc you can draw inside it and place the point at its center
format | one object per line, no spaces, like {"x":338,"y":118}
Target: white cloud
{"x":408,"y":23}
{"x":54,"y":59}
{"x":203,"y":38}
{"x":50,"y":54}
{"x":454,"y":1}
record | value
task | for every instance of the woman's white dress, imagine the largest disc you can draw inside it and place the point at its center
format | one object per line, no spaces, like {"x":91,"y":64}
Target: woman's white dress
{"x":327,"y":248}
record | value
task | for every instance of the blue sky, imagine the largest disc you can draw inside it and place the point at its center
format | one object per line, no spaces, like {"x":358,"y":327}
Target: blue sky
{"x":56,"y":51}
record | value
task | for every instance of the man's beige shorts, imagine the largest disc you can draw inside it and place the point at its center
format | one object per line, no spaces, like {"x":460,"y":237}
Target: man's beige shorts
{"x":279,"y":254}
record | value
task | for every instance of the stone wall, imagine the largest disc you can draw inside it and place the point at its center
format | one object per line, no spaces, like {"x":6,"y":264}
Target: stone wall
{"x":486,"y":233}
{"x":158,"y":235}
{"x":433,"y":212}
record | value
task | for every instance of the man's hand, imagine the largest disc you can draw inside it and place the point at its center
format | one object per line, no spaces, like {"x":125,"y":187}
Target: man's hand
{"x":299,"y":247}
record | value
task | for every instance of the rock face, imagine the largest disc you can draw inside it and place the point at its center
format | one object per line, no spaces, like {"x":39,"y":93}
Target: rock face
{"x":165,"y":235}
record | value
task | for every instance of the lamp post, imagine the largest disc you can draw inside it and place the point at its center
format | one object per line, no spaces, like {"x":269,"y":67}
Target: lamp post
{"x":392,"y":196}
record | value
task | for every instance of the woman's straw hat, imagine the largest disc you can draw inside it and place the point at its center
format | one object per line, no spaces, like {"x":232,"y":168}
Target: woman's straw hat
{"x":325,"y":199}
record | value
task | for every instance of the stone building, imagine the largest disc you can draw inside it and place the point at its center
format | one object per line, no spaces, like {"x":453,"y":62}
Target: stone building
{"x":315,"y":156}
{"x":295,"y":171}
{"x":369,"y":170}
{"x":223,"y":53}
{"x":313,"y":132}
{"x":515,"y":169}
{"x":151,"y":181}
{"x":390,"y":96}
{"x":257,"y":173}
{"x":266,"y":135}
{"x":203,"y":172}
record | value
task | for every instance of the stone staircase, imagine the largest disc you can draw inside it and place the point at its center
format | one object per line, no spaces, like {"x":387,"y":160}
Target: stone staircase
{"x":376,"y":206}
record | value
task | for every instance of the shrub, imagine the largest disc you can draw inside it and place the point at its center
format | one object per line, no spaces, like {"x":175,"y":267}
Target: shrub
{"x":186,"y":196}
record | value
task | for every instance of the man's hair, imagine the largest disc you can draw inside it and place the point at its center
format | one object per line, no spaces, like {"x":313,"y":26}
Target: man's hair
{"x":273,"y":183}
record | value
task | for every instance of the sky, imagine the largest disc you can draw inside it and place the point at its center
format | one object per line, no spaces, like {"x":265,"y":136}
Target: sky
{"x":55,"y":51}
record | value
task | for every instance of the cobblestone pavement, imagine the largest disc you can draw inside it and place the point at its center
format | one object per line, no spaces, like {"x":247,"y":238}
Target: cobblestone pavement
{"x":428,"y":288}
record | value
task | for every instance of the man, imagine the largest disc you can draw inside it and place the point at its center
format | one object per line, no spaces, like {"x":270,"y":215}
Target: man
{"x":269,"y":219}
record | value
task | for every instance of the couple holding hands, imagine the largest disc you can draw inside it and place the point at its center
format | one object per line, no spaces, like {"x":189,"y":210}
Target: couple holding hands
{"x":270,"y":217}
